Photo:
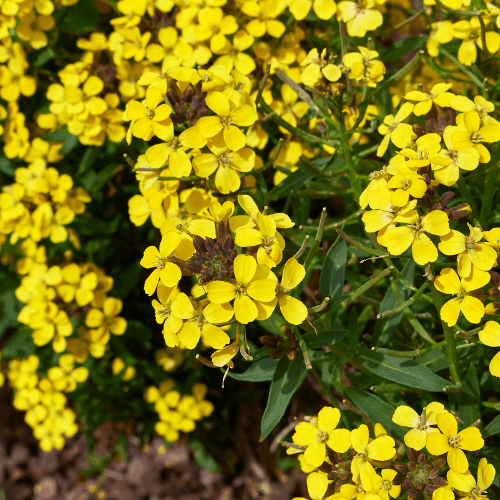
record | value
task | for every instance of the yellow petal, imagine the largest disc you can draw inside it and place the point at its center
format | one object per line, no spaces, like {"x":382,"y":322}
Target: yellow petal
{"x":220,"y":292}
{"x":245,"y":267}
{"x":293,"y":310}
{"x":315,"y":454}
{"x":245,"y":311}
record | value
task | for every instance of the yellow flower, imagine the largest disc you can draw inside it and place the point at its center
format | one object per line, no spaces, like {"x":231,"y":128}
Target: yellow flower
{"x":384,"y":486}
{"x":465,"y":301}
{"x":246,"y":202}
{"x":290,"y":110}
{"x":166,"y":271}
{"x":324,"y":9}
{"x":316,"y":437}
{"x":470,"y":252}
{"x":119,"y":366}
{"x":376,"y":220}
{"x":465,"y":483}
{"x":472,"y":135}
{"x":406,"y":184}
{"x":151,"y":118}
{"x":163,"y":313}
{"x":315,"y":66}
{"x":269,"y":241}
{"x":380,"y":449}
{"x":470,"y":33}
{"x":438,"y":95}
{"x":107,"y":320}
{"x":213,"y":26}
{"x":465,"y":158}
{"x":248,"y":290}
{"x":399,"y":239}
{"x":65,"y":377}
{"x":420,"y":424}
{"x":32,"y":29}
{"x":227,"y":163}
{"x":76,"y":286}
{"x":229,"y":118}
{"x":359,"y":16}
{"x":392,"y":129}
{"x":265,"y":13}
{"x":135,"y":43}
{"x":293,"y":310}
{"x":364,"y":67}
{"x":490,"y":336}
{"x":441,"y":32}
{"x":174,"y":150}
{"x":200,"y":322}
{"x":453,"y":442}
{"x":376,"y":193}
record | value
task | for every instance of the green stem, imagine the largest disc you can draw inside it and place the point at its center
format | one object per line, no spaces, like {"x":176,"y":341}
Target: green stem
{"x":466,"y":13}
{"x":451,"y":350}
{"x":464,"y":69}
{"x":317,"y":241}
{"x":464,"y":190}
{"x":408,"y":20}
{"x":362,"y":289}
{"x":303,"y":348}
{"x":301,"y":134}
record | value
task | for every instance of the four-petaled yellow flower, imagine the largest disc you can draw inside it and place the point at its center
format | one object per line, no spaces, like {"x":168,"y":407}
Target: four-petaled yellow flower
{"x":227,"y":120}
{"x":168,"y":272}
{"x":421,"y":424}
{"x":465,"y":301}
{"x":315,"y":438}
{"x":453,"y":442}
{"x":399,"y":239}
{"x":248,"y":290}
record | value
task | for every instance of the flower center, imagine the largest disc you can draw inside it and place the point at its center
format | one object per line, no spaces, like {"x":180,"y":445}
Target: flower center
{"x":454,"y":441}
{"x":386,"y":485}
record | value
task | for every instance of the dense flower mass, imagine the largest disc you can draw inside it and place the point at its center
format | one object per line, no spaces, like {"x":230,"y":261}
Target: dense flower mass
{"x":223,"y":128}
{"x":344,"y":464}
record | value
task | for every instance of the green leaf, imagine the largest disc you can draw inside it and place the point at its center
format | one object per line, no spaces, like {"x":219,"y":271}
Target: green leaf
{"x":19,"y":345}
{"x":384,"y":327}
{"x":202,"y":457}
{"x":400,"y":49}
{"x":324,"y":339}
{"x":88,"y":158}
{"x":288,"y":377}
{"x":332,"y":276}
{"x":435,"y":360}
{"x":272,"y":324}
{"x":259,"y":371}
{"x":80,"y":18}
{"x":331,"y":371}
{"x":401,"y":370}
{"x":42,"y":57}
{"x":493,"y":427}
{"x":375,"y":409}
{"x":9,"y":305}
{"x":263,"y":352}
{"x":7,"y":167}
{"x":469,"y":405}
{"x":293,"y":181}
{"x":353,"y":327}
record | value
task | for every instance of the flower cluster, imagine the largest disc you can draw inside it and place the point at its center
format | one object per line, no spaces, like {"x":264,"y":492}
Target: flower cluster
{"x":41,"y":202}
{"x":407,"y":209}
{"x":237,"y":288}
{"x":55,"y":294}
{"x":343,"y":464}
{"x":178,"y":413}
{"x":43,"y":399}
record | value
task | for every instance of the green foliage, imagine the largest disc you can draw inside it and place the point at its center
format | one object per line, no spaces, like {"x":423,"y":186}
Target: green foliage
{"x":287,"y":378}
